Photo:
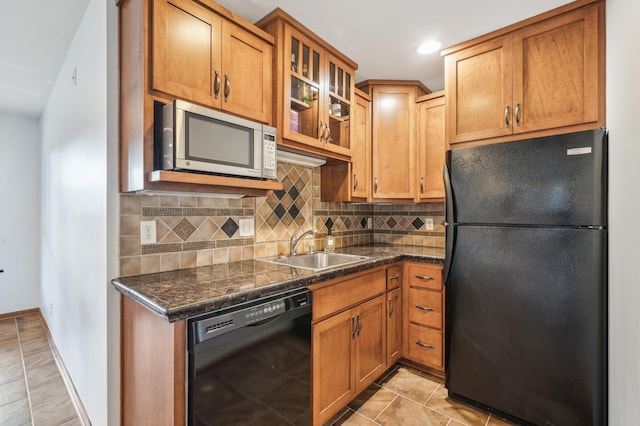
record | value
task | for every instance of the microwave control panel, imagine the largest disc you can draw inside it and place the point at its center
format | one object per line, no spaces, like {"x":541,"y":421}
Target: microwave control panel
{"x":269,"y":153}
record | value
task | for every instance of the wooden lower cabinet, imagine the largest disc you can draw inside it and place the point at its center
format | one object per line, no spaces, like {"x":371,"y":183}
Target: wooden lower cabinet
{"x":424,"y":315}
{"x":348,"y":345}
{"x":394,"y":314}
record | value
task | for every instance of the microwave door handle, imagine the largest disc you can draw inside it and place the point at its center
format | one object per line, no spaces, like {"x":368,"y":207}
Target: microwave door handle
{"x":227,"y":87}
{"x":216,"y":87}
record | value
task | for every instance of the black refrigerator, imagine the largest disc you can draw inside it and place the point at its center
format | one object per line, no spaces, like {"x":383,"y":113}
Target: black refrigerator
{"x":526,"y":278}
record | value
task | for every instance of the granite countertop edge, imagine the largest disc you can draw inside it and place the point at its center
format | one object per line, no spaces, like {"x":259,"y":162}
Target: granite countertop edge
{"x":141,"y":288}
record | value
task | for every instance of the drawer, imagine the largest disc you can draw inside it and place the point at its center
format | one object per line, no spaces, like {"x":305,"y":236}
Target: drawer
{"x":425,"y":346}
{"x":425,"y":307}
{"x":346,"y":293}
{"x":394,"y":277}
{"x":424,"y":275}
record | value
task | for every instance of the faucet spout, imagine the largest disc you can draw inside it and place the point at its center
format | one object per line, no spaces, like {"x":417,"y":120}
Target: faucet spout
{"x":295,"y":241}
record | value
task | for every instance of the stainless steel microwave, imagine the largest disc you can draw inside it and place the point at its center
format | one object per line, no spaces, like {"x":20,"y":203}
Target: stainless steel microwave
{"x":200,"y":139}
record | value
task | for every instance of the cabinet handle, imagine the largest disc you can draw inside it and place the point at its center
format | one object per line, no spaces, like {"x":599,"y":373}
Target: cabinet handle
{"x":321,"y":128}
{"x":424,"y":345}
{"x":353,"y":327}
{"x":227,"y":87}
{"x":375,"y":185}
{"x":216,"y":87}
{"x":506,"y":115}
{"x":329,"y":138}
{"x":424,"y":277}
{"x":422,"y":184}
{"x":517,"y":114}
{"x":355,"y":181}
{"x":390,"y":306}
{"x":359,"y":325}
{"x":424,"y":308}
{"x":395,"y":277}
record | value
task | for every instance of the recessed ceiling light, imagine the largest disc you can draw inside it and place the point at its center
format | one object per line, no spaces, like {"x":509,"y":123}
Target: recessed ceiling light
{"x":429,"y":47}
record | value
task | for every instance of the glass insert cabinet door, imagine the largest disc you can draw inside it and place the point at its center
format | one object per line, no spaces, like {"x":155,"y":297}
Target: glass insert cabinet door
{"x":318,"y":99}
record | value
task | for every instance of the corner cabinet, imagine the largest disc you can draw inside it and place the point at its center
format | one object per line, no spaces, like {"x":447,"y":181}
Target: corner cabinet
{"x":196,"y":51}
{"x":351,"y":181}
{"x":544,"y":75}
{"x":314,"y":89}
{"x":431,"y":147}
{"x":348,"y":340}
{"x":394,"y":137}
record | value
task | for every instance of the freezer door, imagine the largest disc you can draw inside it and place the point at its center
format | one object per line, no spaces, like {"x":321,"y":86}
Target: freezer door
{"x":557,"y":180}
{"x":526,"y":322}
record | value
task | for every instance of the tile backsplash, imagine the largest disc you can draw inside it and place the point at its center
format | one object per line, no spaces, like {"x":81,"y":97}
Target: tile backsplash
{"x":195,"y":230}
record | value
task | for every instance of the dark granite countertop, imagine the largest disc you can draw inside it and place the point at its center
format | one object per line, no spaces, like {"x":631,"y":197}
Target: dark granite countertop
{"x":186,"y":293}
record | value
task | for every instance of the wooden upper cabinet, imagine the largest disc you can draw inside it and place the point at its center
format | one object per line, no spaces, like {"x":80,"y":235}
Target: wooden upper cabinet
{"x":314,"y":89}
{"x":556,"y":72}
{"x":431,"y":147}
{"x":542,"y":76}
{"x":479,"y":81}
{"x":394,"y":137}
{"x":200,"y":57}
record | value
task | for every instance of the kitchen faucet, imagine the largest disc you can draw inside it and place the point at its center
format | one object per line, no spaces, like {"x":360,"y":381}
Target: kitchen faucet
{"x":295,"y":241}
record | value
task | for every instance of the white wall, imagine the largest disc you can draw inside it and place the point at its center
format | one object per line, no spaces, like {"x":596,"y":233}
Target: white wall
{"x":623,"y":90}
{"x":77,"y":215}
{"x":20,"y":212}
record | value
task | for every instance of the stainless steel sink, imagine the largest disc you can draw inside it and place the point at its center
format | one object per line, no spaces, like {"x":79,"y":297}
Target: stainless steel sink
{"x":315,"y":261}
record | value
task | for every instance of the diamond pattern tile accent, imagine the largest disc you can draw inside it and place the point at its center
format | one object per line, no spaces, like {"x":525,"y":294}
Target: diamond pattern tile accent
{"x":417,"y":223}
{"x":294,"y":193}
{"x":279,"y":193}
{"x":363,"y":222}
{"x":279,"y":211}
{"x":230,"y":227}
{"x":184,"y":229}
{"x":328,"y":223}
{"x":391,"y":222}
{"x":293,"y":211}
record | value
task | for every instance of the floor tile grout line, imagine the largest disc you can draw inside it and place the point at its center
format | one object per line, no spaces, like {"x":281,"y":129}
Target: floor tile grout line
{"x":24,"y":372}
{"x":387,"y":406}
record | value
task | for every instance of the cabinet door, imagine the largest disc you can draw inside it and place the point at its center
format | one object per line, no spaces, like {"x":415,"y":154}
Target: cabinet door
{"x":394,"y":326}
{"x":361,"y":148}
{"x":186,"y":51}
{"x":304,"y":79}
{"x":432,"y":149}
{"x":479,"y":91}
{"x":339,"y":99}
{"x":370,"y":359}
{"x":556,"y":72}
{"x":333,"y":379}
{"x":393,"y":141}
{"x":246,"y":80}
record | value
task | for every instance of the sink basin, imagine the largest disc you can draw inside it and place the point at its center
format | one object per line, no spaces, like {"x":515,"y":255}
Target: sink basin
{"x":315,"y":261}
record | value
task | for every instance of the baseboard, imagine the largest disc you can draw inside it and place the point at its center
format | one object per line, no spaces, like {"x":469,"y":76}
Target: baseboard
{"x":20,"y":313}
{"x":75,"y":398}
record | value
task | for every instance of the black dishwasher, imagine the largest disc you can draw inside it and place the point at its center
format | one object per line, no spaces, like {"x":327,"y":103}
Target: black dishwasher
{"x":250,"y":364}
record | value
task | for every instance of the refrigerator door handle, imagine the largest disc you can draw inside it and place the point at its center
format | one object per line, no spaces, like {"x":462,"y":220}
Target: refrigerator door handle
{"x":449,"y":227}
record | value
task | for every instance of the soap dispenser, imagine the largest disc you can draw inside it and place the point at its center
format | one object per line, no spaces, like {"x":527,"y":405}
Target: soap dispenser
{"x":328,"y":242}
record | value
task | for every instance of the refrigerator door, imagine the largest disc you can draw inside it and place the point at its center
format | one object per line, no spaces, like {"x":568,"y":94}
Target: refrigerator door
{"x":556,"y":180}
{"x":526,"y":322}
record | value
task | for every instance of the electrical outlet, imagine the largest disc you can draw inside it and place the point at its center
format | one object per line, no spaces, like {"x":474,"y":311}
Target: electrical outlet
{"x":148,"y":232}
{"x":369,"y":223}
{"x":246,"y":227}
{"x":428,"y":223}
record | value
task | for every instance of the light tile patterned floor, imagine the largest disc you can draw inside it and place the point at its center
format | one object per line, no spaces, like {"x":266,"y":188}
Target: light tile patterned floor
{"x":407,"y":397}
{"x":32,"y":391}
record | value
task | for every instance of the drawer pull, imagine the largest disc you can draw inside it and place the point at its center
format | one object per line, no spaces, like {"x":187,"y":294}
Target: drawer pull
{"x":359,"y":327}
{"x":424,"y":308}
{"x":353,"y":327}
{"x":424,"y":345}
{"x":395,"y":277}
{"x":390,"y":307}
{"x":424,"y":277}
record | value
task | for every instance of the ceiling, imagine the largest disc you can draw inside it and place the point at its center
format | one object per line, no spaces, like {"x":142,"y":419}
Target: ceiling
{"x":380,"y":35}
